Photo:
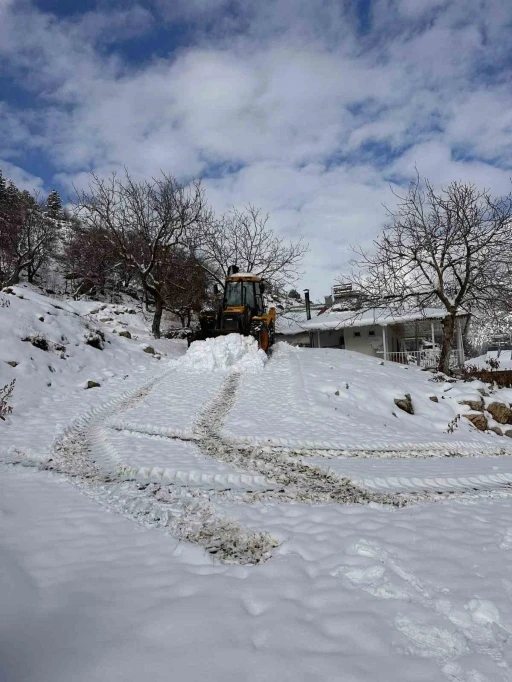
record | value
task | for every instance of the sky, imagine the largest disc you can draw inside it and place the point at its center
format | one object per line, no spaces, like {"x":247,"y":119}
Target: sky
{"x":311,"y":109}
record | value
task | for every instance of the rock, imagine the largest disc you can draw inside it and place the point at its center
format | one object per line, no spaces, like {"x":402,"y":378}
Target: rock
{"x":40,"y":318}
{"x":38,"y":340}
{"x":336,"y":392}
{"x":126,"y":334}
{"x":434,"y":398}
{"x":106,"y":319}
{"x":476,"y":405}
{"x":478,"y":420}
{"x":149,"y":349}
{"x":483,"y":392}
{"x":93,"y":384}
{"x":405,"y":404}
{"x":508,"y":433}
{"x":500,"y":412}
{"x":496,"y":430}
{"x":12,"y":363}
{"x":95,"y":338}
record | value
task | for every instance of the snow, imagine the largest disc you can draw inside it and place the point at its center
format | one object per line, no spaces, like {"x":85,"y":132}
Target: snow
{"x":336,"y":319}
{"x":482,"y":360}
{"x":234,"y":352}
{"x":177,"y":521}
{"x":349,"y":596}
{"x":49,"y":391}
{"x":330,"y":398}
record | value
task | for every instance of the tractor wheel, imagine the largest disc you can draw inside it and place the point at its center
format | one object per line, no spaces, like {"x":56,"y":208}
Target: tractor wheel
{"x":264,"y":338}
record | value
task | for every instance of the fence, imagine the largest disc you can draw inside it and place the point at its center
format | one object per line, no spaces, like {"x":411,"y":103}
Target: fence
{"x":425,"y":359}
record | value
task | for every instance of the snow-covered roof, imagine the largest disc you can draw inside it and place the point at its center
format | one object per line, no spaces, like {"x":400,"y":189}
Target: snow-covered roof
{"x":295,"y":322}
{"x":292,"y":320}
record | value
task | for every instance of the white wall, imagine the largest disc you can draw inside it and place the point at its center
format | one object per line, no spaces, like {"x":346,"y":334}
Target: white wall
{"x":365,"y":343}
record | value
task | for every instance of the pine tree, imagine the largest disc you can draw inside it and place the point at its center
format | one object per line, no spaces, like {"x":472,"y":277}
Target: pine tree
{"x":2,"y":187}
{"x":12,"y":195}
{"x":54,"y":204}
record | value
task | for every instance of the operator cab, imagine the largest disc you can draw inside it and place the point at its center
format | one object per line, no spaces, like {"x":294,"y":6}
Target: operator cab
{"x":245,"y":290}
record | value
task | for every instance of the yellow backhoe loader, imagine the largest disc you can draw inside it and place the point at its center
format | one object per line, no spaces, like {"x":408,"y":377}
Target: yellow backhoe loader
{"x":242,"y":311}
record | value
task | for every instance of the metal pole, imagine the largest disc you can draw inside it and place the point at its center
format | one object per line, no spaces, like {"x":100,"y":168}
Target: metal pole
{"x":384,"y":342}
{"x":417,"y":342}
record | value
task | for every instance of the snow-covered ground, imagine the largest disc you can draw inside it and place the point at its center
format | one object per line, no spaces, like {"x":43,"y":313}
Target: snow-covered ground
{"x":222,"y":516}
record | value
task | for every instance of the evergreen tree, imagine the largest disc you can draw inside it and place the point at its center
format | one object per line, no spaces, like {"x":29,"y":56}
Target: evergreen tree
{"x":3,"y":187}
{"x":54,"y":204}
{"x":12,"y":195}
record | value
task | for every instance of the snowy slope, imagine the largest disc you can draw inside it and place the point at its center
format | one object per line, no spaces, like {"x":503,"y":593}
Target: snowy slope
{"x":329,"y":398}
{"x":273,"y":520}
{"x":50,"y":388}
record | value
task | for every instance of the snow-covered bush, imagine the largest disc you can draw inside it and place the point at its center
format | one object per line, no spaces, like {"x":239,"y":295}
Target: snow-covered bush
{"x":5,"y":395}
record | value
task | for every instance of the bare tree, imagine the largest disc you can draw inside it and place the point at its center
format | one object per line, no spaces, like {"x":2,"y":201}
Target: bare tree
{"x":144,"y":221}
{"x":245,"y":239}
{"x":186,"y":289}
{"x":28,"y":237}
{"x":449,"y":248}
{"x":90,"y":261}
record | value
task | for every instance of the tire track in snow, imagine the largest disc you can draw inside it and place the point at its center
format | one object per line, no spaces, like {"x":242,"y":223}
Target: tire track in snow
{"x":297,"y":482}
{"x":84,"y":454}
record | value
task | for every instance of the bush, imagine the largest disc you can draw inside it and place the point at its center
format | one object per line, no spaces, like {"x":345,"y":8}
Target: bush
{"x":492,"y":374}
{"x":5,"y":395}
{"x":178,"y":333}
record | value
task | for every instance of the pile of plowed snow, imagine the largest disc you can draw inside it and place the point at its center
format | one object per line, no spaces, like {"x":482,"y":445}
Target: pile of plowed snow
{"x":231,"y":352}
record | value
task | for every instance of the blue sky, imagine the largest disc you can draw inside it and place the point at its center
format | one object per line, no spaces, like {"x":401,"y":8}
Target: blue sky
{"x":307,"y":108}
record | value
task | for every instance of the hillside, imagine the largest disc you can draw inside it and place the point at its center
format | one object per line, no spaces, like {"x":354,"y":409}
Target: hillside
{"x":317,"y":514}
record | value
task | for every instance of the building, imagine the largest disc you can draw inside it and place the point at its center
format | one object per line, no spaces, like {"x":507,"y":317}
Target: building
{"x":409,"y":338}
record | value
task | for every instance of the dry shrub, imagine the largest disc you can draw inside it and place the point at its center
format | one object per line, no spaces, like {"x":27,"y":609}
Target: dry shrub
{"x":5,"y":395}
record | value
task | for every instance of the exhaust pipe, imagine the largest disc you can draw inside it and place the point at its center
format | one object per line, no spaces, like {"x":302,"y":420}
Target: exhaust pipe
{"x":308,"y":304}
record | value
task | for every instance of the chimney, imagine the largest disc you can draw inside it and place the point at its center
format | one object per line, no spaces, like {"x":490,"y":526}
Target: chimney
{"x":308,"y":304}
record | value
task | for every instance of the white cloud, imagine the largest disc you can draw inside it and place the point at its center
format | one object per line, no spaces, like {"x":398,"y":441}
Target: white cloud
{"x":287,"y":93}
{"x":20,"y":177}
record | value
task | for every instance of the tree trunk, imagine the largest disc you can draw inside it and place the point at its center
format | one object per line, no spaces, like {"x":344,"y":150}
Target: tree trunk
{"x":14,"y":278}
{"x":448,"y":336}
{"x":157,"y":317}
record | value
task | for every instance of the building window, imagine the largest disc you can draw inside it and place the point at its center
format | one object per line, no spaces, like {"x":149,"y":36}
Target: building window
{"x":357,"y":333}
{"x":371,"y":332}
